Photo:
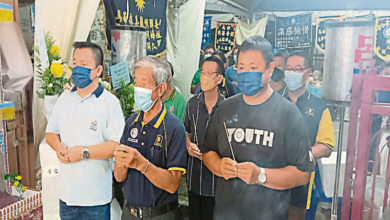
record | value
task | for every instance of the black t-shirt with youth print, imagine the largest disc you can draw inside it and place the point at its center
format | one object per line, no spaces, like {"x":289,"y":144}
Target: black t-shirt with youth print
{"x":271,"y":135}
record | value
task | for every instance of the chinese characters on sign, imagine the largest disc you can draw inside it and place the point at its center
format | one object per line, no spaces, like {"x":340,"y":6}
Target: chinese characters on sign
{"x":97,"y":34}
{"x":321,"y":32}
{"x":225,"y":37}
{"x":206,"y":31}
{"x":151,"y":14}
{"x":293,"y":32}
{"x":382,"y":38}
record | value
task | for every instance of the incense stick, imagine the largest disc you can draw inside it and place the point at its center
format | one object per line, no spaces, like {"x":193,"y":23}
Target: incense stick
{"x":230,"y":144}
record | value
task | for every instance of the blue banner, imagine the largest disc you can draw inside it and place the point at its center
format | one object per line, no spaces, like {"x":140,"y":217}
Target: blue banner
{"x":321,"y":32}
{"x":293,"y":32}
{"x":151,"y":14}
{"x":206,"y":31}
{"x":382,"y":38}
{"x":225,"y":37}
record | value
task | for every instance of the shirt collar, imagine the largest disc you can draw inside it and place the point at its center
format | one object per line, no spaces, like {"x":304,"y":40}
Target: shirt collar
{"x":173,"y":94}
{"x":98,"y":91}
{"x":156,"y":121}
{"x":202,"y":100}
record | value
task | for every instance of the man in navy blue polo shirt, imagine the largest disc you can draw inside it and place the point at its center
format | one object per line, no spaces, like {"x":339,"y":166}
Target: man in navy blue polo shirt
{"x":152,"y":156}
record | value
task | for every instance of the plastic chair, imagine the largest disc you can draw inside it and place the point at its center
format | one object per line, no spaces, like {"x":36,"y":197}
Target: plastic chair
{"x":318,"y":195}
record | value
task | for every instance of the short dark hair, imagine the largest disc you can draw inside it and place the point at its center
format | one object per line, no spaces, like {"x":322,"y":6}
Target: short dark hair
{"x":283,"y":52}
{"x":208,"y":46}
{"x":96,"y":49}
{"x":220,"y":68}
{"x":258,"y":43}
{"x":304,"y":55}
{"x":221,"y":56}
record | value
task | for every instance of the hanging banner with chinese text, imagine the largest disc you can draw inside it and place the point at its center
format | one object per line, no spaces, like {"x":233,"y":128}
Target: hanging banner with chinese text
{"x":320,"y":31}
{"x":293,"y":32}
{"x":382,"y":38}
{"x":206,"y":31}
{"x":151,"y":14}
{"x":225,"y":37}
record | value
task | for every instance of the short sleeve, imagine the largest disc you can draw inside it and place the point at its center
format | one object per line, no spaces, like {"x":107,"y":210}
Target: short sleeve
{"x":53,"y":122}
{"x":177,"y":150}
{"x":325,"y":134}
{"x":211,"y":137}
{"x":115,"y":123}
{"x":196,"y":78}
{"x":187,"y":119}
{"x":297,"y":142}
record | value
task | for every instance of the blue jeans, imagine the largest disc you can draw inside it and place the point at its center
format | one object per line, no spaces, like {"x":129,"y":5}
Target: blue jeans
{"x":100,"y":212}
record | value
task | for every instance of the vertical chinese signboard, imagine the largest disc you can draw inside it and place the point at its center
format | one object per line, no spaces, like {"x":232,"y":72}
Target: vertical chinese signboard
{"x":225,"y":37}
{"x":293,"y":32}
{"x":382,"y":38}
{"x":206,"y":31}
{"x":151,"y":14}
{"x":321,"y":32}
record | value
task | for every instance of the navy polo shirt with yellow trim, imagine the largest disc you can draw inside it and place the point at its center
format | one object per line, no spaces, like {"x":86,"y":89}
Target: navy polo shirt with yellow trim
{"x":320,"y":129}
{"x":163,"y":142}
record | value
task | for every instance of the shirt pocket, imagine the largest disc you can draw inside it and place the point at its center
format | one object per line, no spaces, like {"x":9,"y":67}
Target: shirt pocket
{"x":157,"y":154}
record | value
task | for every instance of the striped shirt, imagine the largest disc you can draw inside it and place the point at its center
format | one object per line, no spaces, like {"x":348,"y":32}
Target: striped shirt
{"x":200,"y":179}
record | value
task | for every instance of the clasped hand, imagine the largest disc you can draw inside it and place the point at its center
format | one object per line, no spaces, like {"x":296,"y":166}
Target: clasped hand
{"x":246,"y":171}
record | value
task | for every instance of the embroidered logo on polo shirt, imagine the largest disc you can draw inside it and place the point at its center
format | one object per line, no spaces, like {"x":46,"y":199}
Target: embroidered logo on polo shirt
{"x":93,"y":125}
{"x":133,"y":135}
{"x":172,"y":108}
{"x":310,"y":111}
{"x":158,"y":141}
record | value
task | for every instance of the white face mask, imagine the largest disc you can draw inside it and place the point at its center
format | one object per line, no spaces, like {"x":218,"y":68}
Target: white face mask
{"x":293,"y":80}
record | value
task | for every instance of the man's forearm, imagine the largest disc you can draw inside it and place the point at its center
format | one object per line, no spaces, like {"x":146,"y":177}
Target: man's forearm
{"x":163,"y":178}
{"x":320,"y":150}
{"x":102,"y":151}
{"x":120,"y":173}
{"x":53,"y":140}
{"x":286,"y":178}
{"x":213,"y":161}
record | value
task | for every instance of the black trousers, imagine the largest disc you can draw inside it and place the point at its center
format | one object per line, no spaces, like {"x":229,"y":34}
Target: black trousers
{"x":172,"y":215}
{"x":200,"y":207}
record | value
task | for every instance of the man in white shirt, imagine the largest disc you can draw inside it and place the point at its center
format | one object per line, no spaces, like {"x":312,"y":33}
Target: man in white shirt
{"x":84,"y":129}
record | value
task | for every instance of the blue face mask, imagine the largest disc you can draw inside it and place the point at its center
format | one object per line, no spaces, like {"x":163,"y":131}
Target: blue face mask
{"x":249,"y":83}
{"x":293,"y":80}
{"x":81,"y":76}
{"x":143,"y":98}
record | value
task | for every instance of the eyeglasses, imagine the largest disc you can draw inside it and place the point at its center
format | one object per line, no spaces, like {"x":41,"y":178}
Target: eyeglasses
{"x":208,"y":73}
{"x":296,"y":69}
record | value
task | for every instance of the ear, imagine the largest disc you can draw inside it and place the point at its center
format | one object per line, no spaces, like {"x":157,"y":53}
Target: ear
{"x":306,"y":75}
{"x":162,"y":88}
{"x":270,"y":69}
{"x":99,"y":71}
{"x":219,"y":78}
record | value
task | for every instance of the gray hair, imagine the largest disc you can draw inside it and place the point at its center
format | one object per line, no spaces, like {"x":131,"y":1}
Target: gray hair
{"x":161,"y":70}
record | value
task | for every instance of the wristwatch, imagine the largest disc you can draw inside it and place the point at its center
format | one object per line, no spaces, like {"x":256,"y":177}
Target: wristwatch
{"x":262,"y":176}
{"x":85,"y":154}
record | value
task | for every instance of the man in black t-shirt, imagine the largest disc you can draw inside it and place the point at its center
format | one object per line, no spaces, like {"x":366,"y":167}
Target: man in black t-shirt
{"x":257,"y":143}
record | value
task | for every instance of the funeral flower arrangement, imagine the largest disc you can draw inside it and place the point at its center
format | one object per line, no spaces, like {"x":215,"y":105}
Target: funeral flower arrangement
{"x":56,"y":77}
{"x":16,"y":180}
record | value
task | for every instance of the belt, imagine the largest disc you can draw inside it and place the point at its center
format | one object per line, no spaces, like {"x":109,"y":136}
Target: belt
{"x":149,"y":212}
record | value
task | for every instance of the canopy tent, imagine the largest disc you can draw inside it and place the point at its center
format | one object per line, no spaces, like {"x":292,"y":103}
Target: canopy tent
{"x":242,"y":7}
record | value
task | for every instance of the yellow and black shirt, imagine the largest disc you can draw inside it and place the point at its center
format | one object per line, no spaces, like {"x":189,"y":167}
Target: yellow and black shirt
{"x":163,"y":142}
